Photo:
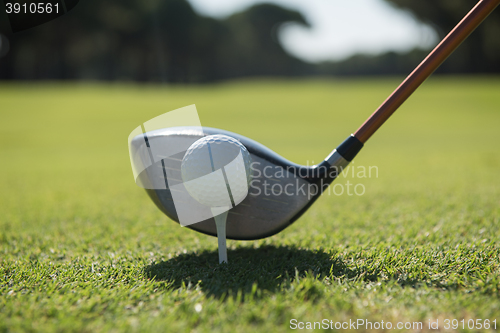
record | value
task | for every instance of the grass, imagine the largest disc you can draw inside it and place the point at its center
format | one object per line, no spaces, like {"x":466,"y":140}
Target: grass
{"x":83,"y":249}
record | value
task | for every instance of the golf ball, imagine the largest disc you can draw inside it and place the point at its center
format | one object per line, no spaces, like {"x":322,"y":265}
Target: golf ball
{"x":200,"y":170}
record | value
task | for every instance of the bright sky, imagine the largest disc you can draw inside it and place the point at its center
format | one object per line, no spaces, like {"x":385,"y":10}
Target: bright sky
{"x":339,"y":28}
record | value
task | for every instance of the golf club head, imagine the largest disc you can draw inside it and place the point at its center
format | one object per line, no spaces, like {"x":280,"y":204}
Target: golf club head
{"x":279,"y":193}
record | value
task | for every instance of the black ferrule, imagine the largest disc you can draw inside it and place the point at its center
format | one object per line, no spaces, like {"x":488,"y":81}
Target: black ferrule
{"x":350,"y":148}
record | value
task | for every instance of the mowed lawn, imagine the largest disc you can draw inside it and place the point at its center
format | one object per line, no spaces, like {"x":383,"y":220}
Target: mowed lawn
{"x":82,"y":248}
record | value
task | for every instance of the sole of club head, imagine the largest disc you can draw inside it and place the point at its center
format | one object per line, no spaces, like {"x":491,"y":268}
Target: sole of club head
{"x":277,"y":195}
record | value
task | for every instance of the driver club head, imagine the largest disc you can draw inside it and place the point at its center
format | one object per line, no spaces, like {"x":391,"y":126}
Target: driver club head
{"x":279,"y":193}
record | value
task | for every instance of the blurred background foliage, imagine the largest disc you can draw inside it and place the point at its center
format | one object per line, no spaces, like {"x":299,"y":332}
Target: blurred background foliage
{"x":167,"y":41}
{"x":480,"y":52}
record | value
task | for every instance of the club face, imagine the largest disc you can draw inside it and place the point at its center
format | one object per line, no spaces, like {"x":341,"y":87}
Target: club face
{"x":279,"y":193}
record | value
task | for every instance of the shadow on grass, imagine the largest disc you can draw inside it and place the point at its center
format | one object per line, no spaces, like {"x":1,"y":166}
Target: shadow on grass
{"x":250,"y":271}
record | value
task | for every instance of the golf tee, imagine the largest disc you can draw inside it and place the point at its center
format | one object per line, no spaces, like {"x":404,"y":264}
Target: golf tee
{"x":220,"y":224}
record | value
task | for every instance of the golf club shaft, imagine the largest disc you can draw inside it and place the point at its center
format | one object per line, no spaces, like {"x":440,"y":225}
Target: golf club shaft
{"x":463,"y":29}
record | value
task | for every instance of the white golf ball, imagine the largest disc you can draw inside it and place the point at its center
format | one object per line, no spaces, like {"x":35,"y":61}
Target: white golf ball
{"x":200,"y":170}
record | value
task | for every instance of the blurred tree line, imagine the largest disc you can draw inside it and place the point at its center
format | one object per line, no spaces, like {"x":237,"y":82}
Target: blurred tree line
{"x":166,"y":40}
{"x":154,"y":40}
{"x":480,"y":52}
